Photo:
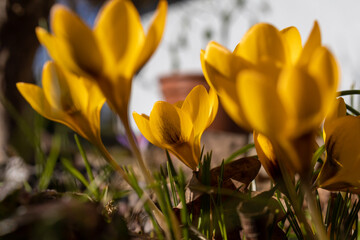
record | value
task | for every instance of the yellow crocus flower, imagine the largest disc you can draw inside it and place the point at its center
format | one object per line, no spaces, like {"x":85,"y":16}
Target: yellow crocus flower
{"x":272,"y":84}
{"x":340,"y":171}
{"x":179,"y":127}
{"x":68,"y":99}
{"x":111,"y":53}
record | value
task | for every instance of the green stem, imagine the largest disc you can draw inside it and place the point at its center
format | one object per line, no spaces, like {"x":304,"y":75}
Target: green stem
{"x":348,"y":92}
{"x":288,"y":182}
{"x":314,"y":212}
{"x":353,"y":110}
{"x":134,"y":147}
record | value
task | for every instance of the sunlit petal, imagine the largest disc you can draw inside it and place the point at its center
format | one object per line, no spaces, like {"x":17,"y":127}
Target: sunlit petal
{"x":292,"y":40}
{"x":154,"y":34}
{"x":142,"y":122}
{"x":197,"y":105}
{"x":78,"y":41}
{"x":225,"y":87}
{"x":300,"y":95}
{"x":260,"y":103}
{"x":120,"y":47}
{"x":261,"y":43}
{"x":313,"y":42}
{"x":35,"y":96}
{"x":169,"y":125}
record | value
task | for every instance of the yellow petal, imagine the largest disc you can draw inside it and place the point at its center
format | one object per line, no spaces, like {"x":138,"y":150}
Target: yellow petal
{"x":35,"y":96}
{"x":213,"y":98}
{"x":187,"y":154}
{"x":197,"y":105}
{"x":338,"y":110}
{"x":56,"y":88}
{"x":120,"y":46}
{"x":226,"y":63}
{"x":142,"y":122}
{"x":262,"y":42}
{"x":266,"y":154}
{"x":117,"y":94}
{"x":154,"y":34}
{"x":179,"y":103}
{"x":58,"y":50}
{"x":292,"y":40}
{"x":301,"y":99}
{"x":324,"y":69}
{"x":313,"y":42}
{"x":170,"y":125}
{"x":221,"y":78}
{"x":342,"y":149}
{"x":75,"y":40}
{"x":260,"y":102}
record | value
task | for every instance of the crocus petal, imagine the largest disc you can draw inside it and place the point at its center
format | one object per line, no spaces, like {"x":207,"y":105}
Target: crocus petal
{"x":185,"y":153}
{"x":154,"y":34}
{"x":142,"y":122}
{"x":179,"y":103}
{"x":222,"y":79}
{"x":300,"y":95}
{"x":343,"y":155}
{"x":120,"y":47}
{"x":260,"y":102}
{"x":58,"y":50}
{"x":169,"y":125}
{"x":213,"y":98}
{"x":266,"y":154}
{"x":324,"y":69}
{"x":35,"y":96}
{"x":56,"y":88}
{"x":197,"y":105}
{"x":77,"y":41}
{"x":261,"y":43}
{"x":226,"y":63}
{"x":292,"y":40}
{"x":117,"y":94}
{"x":338,"y":110}
{"x":313,"y":42}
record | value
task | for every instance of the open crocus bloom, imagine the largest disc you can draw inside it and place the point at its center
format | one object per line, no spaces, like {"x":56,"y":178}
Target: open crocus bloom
{"x":68,"y":99}
{"x":340,"y":171}
{"x":111,"y":53}
{"x":272,"y":84}
{"x":179,"y":127}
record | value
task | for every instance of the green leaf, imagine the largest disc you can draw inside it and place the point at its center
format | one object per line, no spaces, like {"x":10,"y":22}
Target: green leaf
{"x":239,"y":152}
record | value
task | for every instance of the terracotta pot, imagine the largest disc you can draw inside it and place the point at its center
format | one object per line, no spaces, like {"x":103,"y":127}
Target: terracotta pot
{"x":176,"y":87}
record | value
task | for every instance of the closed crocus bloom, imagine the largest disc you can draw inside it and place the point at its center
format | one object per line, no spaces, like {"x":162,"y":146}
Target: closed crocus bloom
{"x":179,"y":127}
{"x":340,"y":171}
{"x":111,"y":53}
{"x":68,"y":99}
{"x":272,"y":84}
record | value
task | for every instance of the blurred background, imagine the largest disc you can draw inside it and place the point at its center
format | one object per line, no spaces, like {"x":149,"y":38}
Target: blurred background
{"x":190,"y":26}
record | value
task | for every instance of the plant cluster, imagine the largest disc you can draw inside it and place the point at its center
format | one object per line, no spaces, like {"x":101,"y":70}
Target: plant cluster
{"x":272,"y":84}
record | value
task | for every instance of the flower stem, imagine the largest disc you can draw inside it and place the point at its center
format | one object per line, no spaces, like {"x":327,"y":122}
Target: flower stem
{"x":134,"y":147}
{"x":149,"y":178}
{"x":314,"y":212}
{"x":294,"y":202}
